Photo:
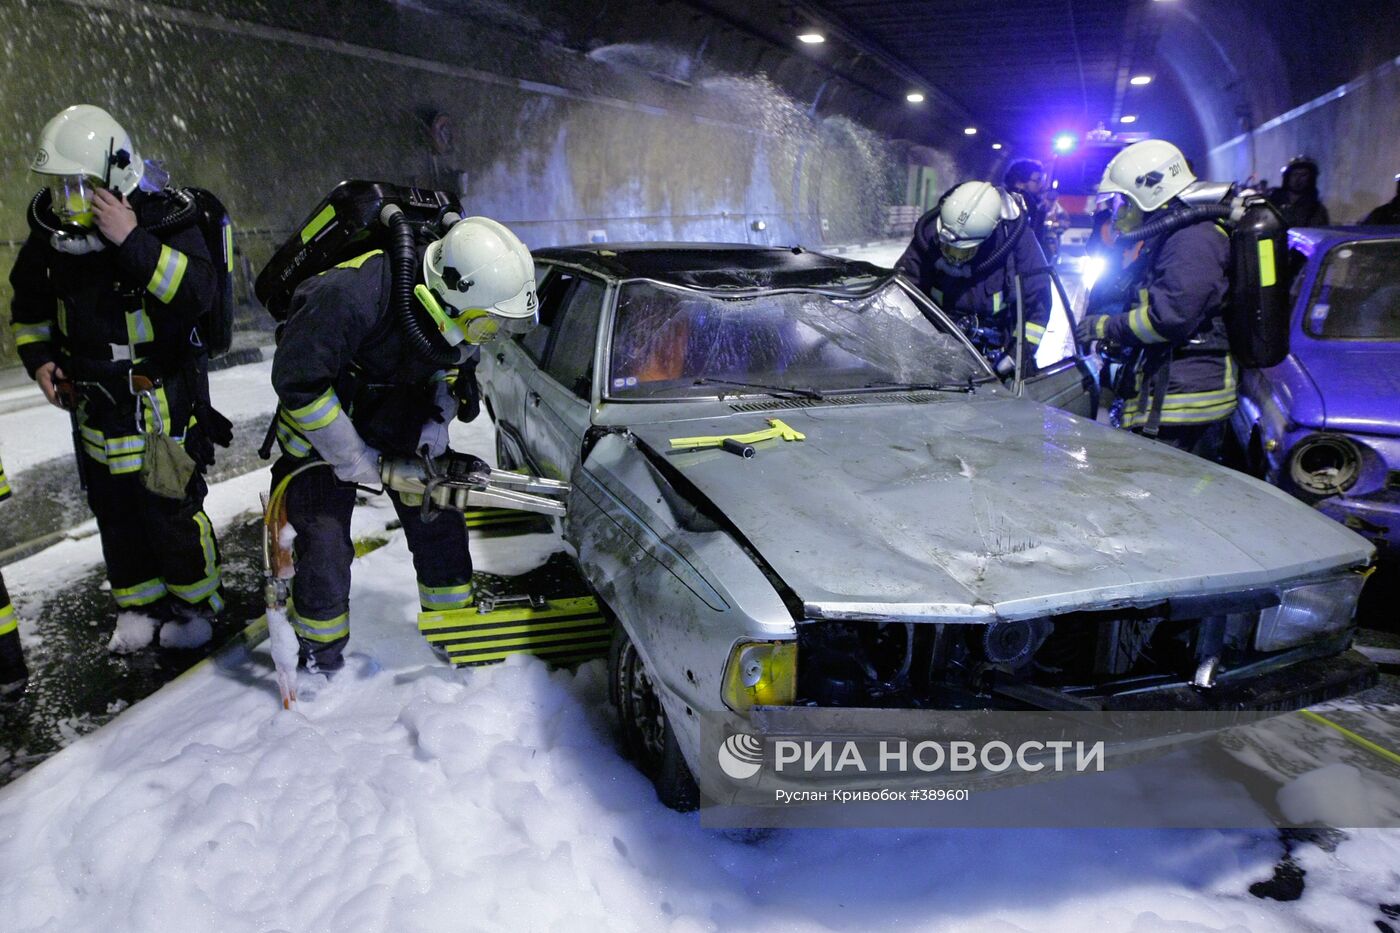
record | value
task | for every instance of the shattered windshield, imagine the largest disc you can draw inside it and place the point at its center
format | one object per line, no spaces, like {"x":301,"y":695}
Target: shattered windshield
{"x":665,"y":340}
{"x":1358,"y":294}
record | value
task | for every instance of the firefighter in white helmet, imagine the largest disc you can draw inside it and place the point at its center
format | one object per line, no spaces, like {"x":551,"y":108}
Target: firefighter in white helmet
{"x":1181,"y":383}
{"x":967,"y":254}
{"x":109,"y":290}
{"x":355,"y":388}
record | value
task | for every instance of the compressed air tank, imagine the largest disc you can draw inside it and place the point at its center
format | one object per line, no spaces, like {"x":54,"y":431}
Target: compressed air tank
{"x":1256,"y":318}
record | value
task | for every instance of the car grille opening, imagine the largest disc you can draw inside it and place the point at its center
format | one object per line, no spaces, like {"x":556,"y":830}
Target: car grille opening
{"x":1068,"y":660}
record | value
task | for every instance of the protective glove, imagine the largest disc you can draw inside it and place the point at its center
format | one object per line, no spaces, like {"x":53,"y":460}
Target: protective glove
{"x":1092,"y":327}
{"x":340,"y":445}
{"x":1005,"y":365}
{"x":361,"y":468}
{"x":432,"y":440}
{"x":433,"y":435}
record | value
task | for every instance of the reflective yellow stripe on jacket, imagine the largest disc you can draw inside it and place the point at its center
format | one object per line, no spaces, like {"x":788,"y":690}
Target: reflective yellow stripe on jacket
{"x":1187,"y":407}
{"x":26,"y":334}
{"x":169,"y":273}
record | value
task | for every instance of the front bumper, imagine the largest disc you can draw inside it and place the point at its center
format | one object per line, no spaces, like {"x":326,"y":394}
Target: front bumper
{"x":1133,"y":727}
{"x":1288,"y":688}
{"x":1280,"y":689}
{"x":1375,"y":519}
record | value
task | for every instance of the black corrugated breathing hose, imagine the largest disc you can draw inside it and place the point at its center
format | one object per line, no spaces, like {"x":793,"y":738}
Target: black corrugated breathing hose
{"x":1175,"y":221}
{"x":403,"y":262}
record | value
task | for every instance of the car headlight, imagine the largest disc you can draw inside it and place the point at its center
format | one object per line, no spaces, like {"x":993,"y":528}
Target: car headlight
{"x":1325,"y":464}
{"x":760,"y":673}
{"x":1309,"y":613}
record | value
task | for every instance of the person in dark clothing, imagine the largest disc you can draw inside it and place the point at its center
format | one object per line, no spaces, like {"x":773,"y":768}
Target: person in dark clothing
{"x":950,"y":259}
{"x":108,"y":290}
{"x":1388,"y":214}
{"x":14,"y":675}
{"x":353,"y":389}
{"x":1296,"y":197}
{"x":1026,"y":177}
{"x":1180,"y":384}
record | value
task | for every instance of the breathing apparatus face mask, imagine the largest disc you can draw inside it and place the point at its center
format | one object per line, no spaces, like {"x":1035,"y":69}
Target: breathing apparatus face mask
{"x":1127,"y":216}
{"x":957,"y":255}
{"x":477,"y":325}
{"x":70,"y":197}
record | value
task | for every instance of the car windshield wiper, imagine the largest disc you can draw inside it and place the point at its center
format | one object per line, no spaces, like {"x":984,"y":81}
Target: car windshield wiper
{"x":771,"y":390}
{"x":930,"y":386}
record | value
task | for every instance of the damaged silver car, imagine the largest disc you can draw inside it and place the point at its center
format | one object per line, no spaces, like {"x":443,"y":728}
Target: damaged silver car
{"x":795,"y":483}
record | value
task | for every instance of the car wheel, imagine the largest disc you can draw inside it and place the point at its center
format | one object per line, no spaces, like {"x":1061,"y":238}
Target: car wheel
{"x":647,"y":736}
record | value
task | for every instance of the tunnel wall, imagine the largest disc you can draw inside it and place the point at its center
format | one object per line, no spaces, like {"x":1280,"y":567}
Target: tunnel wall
{"x":1271,"y":80}
{"x":269,"y":105}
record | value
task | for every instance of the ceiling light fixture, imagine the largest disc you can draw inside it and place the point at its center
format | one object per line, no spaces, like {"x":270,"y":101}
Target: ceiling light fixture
{"x":969,"y":131}
{"x":811,"y":38}
{"x":996,"y":145}
{"x":1140,"y":80}
{"x":1127,"y":118}
{"x":914,"y":97}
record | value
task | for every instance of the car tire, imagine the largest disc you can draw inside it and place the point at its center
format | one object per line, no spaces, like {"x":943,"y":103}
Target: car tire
{"x":647,"y":736}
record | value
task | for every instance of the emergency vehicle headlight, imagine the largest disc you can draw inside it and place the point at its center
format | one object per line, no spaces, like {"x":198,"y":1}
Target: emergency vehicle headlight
{"x":1325,"y":464}
{"x":760,"y":673}
{"x":1309,"y":613}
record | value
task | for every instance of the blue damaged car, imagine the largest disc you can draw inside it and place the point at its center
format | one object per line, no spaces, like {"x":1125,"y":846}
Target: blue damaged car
{"x":1325,"y":423}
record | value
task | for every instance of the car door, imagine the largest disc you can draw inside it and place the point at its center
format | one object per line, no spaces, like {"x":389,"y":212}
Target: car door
{"x":1065,"y":378}
{"x":509,"y":364}
{"x":560,"y":395}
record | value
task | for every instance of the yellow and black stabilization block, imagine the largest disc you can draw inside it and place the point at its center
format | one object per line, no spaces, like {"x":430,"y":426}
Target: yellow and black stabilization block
{"x":491,"y":518}
{"x":564,"y":631}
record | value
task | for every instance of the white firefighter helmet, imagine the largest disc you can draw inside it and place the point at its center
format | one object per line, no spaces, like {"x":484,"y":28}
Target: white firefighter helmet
{"x":479,"y":279}
{"x":1149,"y":174}
{"x":967,"y":216}
{"x":84,"y":141}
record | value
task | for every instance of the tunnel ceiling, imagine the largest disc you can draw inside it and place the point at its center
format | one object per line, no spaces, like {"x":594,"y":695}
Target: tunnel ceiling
{"x":1019,"y":68}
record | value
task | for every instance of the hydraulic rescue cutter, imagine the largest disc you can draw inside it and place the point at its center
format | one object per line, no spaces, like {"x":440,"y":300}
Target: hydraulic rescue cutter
{"x":458,"y":482}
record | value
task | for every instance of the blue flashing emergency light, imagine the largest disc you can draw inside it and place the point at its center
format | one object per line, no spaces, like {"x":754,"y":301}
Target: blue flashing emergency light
{"x":1065,"y":142}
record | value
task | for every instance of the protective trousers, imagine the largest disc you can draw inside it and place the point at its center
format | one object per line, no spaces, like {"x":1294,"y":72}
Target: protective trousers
{"x":13,"y":672}
{"x":155,"y":547}
{"x":319,"y":508}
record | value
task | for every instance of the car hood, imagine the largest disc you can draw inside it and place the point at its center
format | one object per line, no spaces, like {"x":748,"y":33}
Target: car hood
{"x":1358,"y":384}
{"x":994,"y":507}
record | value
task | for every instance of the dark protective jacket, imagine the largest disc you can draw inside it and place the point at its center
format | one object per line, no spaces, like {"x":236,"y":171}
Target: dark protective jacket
{"x":1300,"y":210}
{"x":1387,"y":215}
{"x":342,"y":354}
{"x":991,"y":296}
{"x":97,"y":314}
{"x":1175,"y":323}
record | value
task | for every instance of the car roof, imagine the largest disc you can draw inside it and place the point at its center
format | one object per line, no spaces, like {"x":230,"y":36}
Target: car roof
{"x":1312,"y":239}
{"x":714,"y":265}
